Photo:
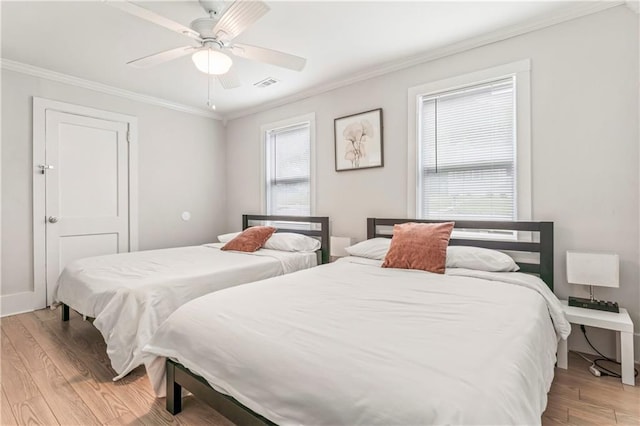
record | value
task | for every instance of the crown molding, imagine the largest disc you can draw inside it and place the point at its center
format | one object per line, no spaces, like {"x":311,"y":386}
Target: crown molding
{"x":10,"y":65}
{"x":577,"y":11}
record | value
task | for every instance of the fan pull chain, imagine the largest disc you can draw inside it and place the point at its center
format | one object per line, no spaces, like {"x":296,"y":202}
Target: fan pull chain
{"x":210,"y":103}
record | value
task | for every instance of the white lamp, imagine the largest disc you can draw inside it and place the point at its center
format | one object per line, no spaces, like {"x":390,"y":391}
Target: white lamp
{"x":592,"y":268}
{"x":211,"y":61}
{"x":338,"y":245}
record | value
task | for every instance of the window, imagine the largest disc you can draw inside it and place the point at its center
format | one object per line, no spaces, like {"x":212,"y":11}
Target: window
{"x":467,"y":153}
{"x":288,"y":151}
{"x":470,"y":146}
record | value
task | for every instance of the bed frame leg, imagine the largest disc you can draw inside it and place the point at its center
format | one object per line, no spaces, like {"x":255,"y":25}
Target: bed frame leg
{"x":65,"y":312}
{"x":174,"y":390}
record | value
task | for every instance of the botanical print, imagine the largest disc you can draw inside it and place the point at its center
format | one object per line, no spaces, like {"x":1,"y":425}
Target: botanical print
{"x":358,"y":142}
{"x":355,"y":138}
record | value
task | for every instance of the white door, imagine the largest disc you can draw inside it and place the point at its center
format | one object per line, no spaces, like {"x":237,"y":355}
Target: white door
{"x":87,"y":190}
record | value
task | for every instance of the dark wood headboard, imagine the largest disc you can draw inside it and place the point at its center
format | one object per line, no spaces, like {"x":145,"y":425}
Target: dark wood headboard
{"x":312,"y":230}
{"x":543,"y":246}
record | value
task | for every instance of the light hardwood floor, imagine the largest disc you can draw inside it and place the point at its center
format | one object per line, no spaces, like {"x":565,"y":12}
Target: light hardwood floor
{"x":58,"y":373}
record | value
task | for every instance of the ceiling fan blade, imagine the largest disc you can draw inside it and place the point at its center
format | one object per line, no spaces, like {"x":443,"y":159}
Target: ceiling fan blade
{"x":146,"y":14}
{"x":273,"y":57}
{"x":238,"y":17}
{"x":229,"y":80}
{"x":159,"y":58}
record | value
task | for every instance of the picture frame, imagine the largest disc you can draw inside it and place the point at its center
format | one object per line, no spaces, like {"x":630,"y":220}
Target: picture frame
{"x":358,"y":141}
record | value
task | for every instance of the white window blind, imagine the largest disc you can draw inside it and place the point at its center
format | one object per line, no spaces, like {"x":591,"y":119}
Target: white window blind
{"x":467,"y":153}
{"x":288,"y":167}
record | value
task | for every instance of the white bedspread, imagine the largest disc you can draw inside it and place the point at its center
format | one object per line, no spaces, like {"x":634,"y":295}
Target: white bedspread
{"x":351,"y":343}
{"x":130,"y":294}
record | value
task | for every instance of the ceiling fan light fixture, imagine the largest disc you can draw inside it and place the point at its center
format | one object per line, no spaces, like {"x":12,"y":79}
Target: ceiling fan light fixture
{"x":210,"y":61}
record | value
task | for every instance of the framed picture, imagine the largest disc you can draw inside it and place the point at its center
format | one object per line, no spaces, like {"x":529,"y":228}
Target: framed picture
{"x":358,"y":141}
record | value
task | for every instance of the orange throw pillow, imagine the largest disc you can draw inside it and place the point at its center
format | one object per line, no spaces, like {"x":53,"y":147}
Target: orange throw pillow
{"x":251,"y":239}
{"x":419,"y":246}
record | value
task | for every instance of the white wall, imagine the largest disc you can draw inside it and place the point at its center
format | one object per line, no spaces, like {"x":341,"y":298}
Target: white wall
{"x":584,"y":83}
{"x":181,"y":168}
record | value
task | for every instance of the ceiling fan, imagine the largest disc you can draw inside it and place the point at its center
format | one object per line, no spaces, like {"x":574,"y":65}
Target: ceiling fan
{"x":214,"y":35}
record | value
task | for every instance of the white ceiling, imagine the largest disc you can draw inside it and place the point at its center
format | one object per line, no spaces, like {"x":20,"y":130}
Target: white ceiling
{"x":93,"y":41}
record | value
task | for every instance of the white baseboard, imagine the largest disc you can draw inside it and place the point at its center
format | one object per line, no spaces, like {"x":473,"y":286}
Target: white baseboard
{"x":12,"y":304}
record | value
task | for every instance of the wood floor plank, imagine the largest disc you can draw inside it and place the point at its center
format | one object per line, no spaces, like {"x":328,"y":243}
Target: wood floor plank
{"x":633,"y":389}
{"x":89,"y":342}
{"x":103,"y":373}
{"x":142,"y":401}
{"x":82,"y":323}
{"x":578,"y":378}
{"x":556,"y":410}
{"x":133,"y":390}
{"x":97,"y":395}
{"x":626,"y":419}
{"x":16,"y":380}
{"x":47,"y":314}
{"x":621,"y":402}
{"x":92,"y":389}
{"x":63,"y":400}
{"x":6,"y":414}
{"x":105,"y":406}
{"x":194,"y":410}
{"x":45,"y":338}
{"x":86,"y":330}
{"x":31,"y":354}
{"x":34,"y":411}
{"x":583,"y":413}
{"x":156,"y":414}
{"x":127,"y":419}
{"x":549,"y":421}
{"x":565,"y":390}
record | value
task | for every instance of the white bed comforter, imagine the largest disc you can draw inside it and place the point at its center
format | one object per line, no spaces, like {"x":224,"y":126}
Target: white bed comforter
{"x":351,"y":343}
{"x":131,"y":294}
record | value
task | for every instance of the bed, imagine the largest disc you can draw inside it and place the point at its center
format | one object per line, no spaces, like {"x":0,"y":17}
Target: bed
{"x":129,"y":294}
{"x":353,"y":343}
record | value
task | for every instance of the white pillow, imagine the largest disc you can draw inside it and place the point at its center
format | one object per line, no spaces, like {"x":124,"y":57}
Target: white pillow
{"x":225,"y":238}
{"x":480,"y":259}
{"x":283,"y":241}
{"x":289,"y":241}
{"x":375,"y":248}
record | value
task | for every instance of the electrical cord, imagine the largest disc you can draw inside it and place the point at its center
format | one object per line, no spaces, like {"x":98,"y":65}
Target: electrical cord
{"x":603,"y":358}
{"x":592,"y":368}
{"x":583,"y":357}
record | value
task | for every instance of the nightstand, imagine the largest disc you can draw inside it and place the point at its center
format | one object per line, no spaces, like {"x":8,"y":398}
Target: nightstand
{"x":618,"y":322}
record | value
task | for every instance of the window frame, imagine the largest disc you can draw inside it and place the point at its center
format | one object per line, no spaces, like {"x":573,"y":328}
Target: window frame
{"x":520,"y":70}
{"x":265,"y":129}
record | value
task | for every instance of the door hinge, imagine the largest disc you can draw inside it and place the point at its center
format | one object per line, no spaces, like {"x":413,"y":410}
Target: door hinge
{"x":128,"y":136}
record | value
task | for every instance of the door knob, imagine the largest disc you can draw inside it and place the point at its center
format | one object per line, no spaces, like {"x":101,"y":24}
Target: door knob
{"x":53,"y":219}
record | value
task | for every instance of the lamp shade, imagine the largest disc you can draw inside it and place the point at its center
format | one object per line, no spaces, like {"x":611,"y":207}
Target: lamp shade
{"x":338,"y":245}
{"x":211,"y":61}
{"x":593,"y":268}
